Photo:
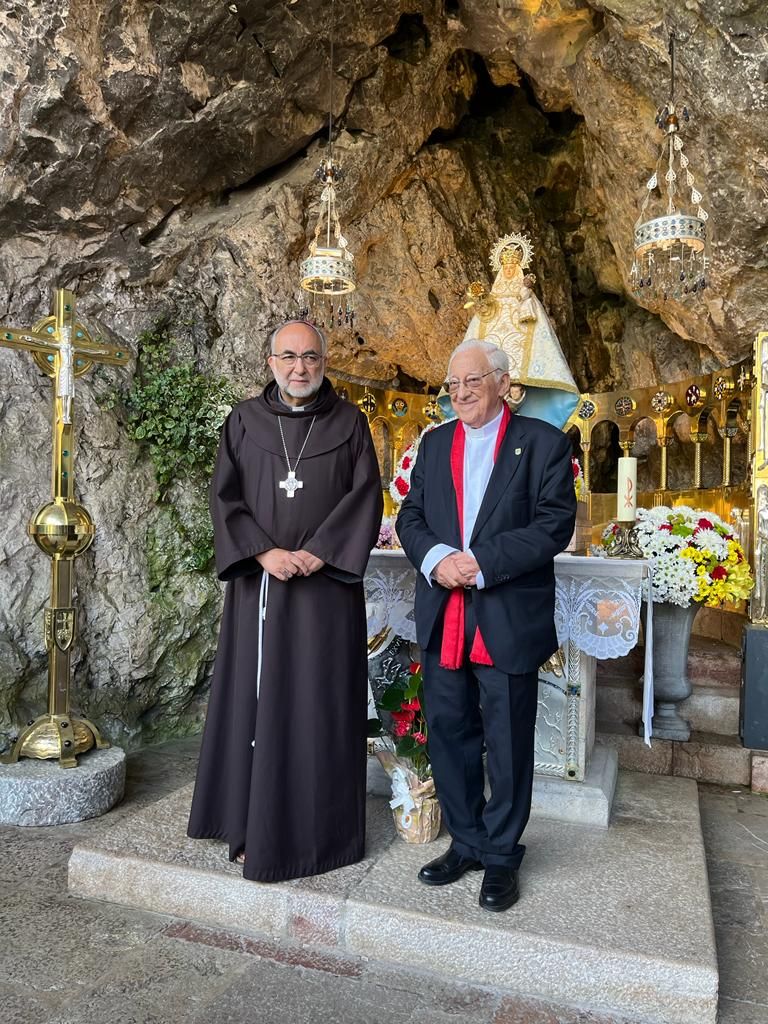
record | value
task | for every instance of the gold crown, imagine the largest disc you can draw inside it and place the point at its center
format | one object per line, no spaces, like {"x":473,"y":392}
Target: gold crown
{"x":521,"y":243}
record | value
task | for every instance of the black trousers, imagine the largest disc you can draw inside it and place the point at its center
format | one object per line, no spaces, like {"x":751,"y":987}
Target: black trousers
{"x":466,"y":709}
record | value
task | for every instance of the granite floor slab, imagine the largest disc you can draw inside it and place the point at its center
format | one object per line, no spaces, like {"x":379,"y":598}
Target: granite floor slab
{"x":613,"y":922}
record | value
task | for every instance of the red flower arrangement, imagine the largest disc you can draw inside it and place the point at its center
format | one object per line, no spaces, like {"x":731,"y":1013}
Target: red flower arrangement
{"x":578,"y":477}
{"x":403,"y":701}
{"x":401,"y":482}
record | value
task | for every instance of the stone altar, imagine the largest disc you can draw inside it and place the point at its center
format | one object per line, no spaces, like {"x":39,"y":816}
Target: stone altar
{"x":597,"y":616}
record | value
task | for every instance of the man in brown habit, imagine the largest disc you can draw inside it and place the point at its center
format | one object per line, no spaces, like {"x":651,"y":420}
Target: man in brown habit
{"x":296,"y":503}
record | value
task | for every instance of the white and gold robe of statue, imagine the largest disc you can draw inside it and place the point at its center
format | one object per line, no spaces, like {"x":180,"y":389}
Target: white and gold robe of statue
{"x":513,"y":318}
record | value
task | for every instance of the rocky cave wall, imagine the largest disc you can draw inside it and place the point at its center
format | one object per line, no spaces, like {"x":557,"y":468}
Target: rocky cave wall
{"x":159,"y":160}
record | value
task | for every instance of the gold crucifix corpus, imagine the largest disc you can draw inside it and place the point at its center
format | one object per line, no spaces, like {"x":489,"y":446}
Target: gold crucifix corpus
{"x":62,"y":528}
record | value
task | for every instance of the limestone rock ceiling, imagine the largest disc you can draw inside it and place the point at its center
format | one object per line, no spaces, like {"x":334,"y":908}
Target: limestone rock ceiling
{"x":145,"y":145}
{"x":160,"y":157}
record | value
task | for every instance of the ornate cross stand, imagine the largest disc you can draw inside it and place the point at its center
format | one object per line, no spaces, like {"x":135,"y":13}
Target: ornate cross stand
{"x":62,"y":528}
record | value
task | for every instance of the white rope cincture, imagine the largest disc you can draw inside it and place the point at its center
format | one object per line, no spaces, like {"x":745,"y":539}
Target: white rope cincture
{"x":263,"y":594}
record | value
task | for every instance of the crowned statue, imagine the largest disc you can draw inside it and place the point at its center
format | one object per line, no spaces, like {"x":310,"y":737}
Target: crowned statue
{"x":511,"y":317}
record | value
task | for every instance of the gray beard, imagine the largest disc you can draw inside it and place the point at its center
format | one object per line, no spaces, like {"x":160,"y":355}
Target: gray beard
{"x":304,"y":399}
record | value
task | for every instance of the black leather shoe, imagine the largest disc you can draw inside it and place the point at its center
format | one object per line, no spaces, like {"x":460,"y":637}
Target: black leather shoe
{"x":499,"y":889}
{"x":448,"y":868}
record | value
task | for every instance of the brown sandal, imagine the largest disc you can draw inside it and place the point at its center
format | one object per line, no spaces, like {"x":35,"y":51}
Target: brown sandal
{"x":240,"y":857}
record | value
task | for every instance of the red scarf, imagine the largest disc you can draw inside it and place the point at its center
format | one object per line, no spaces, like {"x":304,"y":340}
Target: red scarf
{"x":452,"y":649}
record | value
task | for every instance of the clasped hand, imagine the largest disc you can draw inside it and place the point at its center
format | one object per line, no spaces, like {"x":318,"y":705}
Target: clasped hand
{"x":284,"y":564}
{"x":459,"y":569}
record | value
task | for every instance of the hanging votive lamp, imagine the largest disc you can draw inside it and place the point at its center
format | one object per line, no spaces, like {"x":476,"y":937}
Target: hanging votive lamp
{"x":328,"y":273}
{"x":671,"y":249}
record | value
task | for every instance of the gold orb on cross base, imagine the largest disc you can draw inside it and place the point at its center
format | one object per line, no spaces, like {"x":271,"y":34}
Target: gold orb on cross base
{"x":62,"y":527}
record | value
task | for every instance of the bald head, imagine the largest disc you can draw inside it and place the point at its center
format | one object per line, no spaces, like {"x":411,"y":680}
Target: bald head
{"x":318,"y":335}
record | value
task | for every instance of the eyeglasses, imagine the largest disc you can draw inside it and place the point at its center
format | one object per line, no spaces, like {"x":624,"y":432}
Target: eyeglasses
{"x":474,"y":382}
{"x":309,"y":359}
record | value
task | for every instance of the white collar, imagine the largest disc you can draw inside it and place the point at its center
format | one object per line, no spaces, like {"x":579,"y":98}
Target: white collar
{"x":293,"y":408}
{"x":484,"y":433}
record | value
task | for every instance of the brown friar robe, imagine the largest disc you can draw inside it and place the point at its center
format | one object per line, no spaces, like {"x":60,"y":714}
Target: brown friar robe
{"x":282,"y":775}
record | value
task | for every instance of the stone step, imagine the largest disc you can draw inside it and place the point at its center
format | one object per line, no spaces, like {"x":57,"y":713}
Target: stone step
{"x":711,"y":663}
{"x":706,"y":757}
{"x":711,"y":709}
{"x":612,"y":922}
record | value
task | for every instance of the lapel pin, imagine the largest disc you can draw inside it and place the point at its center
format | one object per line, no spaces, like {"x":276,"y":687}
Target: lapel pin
{"x":518,"y":451}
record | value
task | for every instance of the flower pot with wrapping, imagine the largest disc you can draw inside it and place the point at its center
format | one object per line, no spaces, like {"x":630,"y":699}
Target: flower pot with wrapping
{"x":415,"y":809}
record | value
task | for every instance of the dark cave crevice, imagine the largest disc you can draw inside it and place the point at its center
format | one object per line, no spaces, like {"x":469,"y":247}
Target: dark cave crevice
{"x":410,"y":40}
{"x":492,"y":103}
{"x":488,"y":101}
{"x":148,"y":237}
{"x":276,"y":72}
{"x":546,"y":143}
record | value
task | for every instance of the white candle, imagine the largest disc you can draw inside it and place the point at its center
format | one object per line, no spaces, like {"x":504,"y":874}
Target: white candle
{"x":626,"y":497}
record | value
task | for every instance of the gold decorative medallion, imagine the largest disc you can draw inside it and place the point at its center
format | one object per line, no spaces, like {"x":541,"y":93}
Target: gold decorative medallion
{"x":64,"y":627}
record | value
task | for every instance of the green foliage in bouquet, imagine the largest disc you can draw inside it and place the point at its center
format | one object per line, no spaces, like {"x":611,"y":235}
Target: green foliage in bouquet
{"x":404,"y":702}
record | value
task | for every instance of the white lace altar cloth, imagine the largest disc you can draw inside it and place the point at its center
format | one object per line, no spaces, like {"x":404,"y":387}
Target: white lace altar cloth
{"x":597,"y":612}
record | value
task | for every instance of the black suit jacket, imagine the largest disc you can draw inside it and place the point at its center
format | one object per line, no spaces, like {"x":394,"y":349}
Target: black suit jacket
{"x":526,"y":517}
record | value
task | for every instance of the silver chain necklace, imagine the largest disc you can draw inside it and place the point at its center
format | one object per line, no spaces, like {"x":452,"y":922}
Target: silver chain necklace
{"x":290,"y":485}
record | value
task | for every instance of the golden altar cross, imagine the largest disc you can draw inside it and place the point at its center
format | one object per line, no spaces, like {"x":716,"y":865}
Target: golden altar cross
{"x":64,"y":350}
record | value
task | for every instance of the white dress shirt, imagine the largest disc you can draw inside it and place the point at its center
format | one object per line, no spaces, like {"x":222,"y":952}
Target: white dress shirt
{"x":478,"y":466}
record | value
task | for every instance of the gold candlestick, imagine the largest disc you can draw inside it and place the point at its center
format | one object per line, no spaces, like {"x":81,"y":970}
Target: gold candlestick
{"x":699,"y":438}
{"x":62,"y":528}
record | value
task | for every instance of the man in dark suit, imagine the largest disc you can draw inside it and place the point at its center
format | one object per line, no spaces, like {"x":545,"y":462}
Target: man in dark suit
{"x":491,"y":503}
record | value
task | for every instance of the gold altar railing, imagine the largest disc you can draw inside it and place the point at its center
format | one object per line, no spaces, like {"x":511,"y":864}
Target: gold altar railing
{"x":716,"y":407}
{"x":396,"y":419}
{"x":713,"y":410}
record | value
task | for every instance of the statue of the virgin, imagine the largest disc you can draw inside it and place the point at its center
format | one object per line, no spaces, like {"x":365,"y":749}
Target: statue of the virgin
{"x":511,"y":317}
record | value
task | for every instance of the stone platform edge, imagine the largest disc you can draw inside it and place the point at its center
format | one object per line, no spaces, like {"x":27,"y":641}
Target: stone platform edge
{"x":642,"y":987}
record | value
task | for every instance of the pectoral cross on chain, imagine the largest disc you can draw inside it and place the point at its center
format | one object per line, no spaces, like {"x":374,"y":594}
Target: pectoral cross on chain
{"x":290,"y":485}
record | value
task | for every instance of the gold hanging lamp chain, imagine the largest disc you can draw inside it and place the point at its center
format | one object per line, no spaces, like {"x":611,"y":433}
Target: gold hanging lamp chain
{"x":671,"y":175}
{"x":330,"y":81}
{"x":329,"y":270}
{"x":331,"y":208}
{"x":330,"y":168}
{"x":650,"y":187}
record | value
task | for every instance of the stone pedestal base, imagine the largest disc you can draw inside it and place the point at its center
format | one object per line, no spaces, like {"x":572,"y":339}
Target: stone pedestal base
{"x":42,"y":793}
{"x":583,"y":803}
{"x":667,"y":723}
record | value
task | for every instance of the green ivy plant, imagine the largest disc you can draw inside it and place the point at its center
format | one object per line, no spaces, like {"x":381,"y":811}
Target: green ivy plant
{"x":175,"y":413}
